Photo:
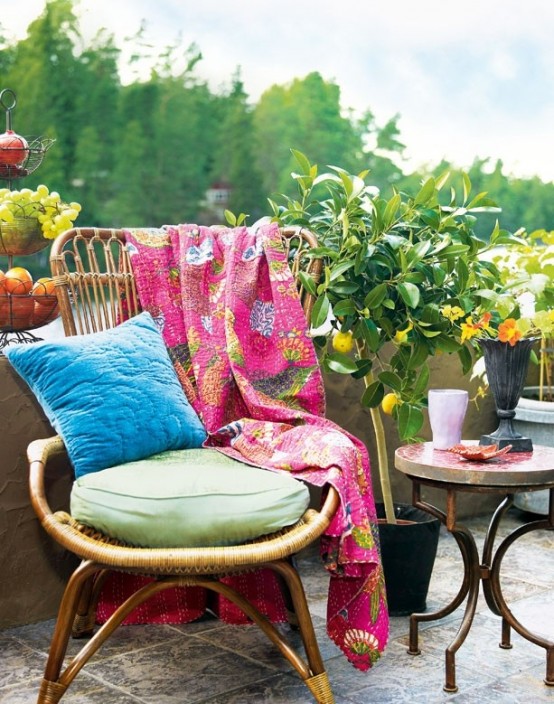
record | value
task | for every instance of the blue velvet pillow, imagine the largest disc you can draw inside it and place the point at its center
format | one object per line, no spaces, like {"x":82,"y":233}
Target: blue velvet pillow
{"x":113,"y":396}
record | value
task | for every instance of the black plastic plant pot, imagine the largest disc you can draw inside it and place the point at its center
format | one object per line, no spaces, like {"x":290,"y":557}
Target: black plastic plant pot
{"x":408,"y":551}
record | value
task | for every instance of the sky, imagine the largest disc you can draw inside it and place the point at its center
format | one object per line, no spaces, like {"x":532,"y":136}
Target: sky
{"x":469,"y":79}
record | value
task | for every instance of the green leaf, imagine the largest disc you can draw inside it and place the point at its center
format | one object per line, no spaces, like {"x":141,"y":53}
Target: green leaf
{"x":418,"y":356}
{"x":391,"y":380}
{"x":442,"y":179}
{"x":439,"y":275}
{"x":431,"y":217}
{"x":415,"y":277}
{"x":447,"y":344}
{"x":466,"y":359}
{"x":339,"y":269}
{"x":341,"y":363}
{"x":302,"y":160}
{"x":364,"y":367}
{"x":344,"y":307}
{"x":230,"y":217}
{"x":487,"y":293}
{"x":454,"y":250}
{"x":409,"y":294}
{"x":422,"y":381}
{"x":395,"y":241}
{"x":347,"y":183}
{"x":307,"y":282}
{"x":320,"y":311}
{"x":426,"y":193}
{"x":410,"y":421}
{"x":376,"y":296}
{"x":373,"y":395}
{"x":370,"y":334}
{"x":466,"y":185}
{"x":391,"y":210}
{"x":344,"y":288}
{"x":417,"y":252}
{"x":462,"y":273}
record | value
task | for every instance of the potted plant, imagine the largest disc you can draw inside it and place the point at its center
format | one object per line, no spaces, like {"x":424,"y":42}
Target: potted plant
{"x":401,"y":273}
{"x":527,"y":271}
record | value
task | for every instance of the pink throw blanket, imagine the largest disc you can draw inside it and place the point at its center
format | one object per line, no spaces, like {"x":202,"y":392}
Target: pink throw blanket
{"x":228,"y":308}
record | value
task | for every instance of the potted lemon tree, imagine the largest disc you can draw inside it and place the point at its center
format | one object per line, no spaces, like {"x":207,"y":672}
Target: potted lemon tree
{"x":402,"y":275}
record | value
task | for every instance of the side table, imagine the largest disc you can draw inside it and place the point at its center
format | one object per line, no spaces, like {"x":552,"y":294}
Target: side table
{"x":506,"y":475}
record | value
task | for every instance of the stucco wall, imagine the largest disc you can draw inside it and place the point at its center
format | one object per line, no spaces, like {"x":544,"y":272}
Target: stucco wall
{"x":34,"y":570}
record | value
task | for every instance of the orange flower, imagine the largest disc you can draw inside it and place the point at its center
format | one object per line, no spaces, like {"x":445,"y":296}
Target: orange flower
{"x":485,"y":321}
{"x":509,"y":332}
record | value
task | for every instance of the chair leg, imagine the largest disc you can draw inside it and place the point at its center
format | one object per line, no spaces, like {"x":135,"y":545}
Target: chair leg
{"x":292,"y":618}
{"x":85,"y":618}
{"x":51,"y":689}
{"x":318,"y":682}
{"x":313,"y":672}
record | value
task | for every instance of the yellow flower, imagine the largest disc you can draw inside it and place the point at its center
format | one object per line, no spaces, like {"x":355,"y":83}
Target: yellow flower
{"x":401,"y":336}
{"x":453,"y":313}
{"x":469,"y":329}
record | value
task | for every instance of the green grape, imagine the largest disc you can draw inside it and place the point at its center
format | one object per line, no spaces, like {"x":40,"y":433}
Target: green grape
{"x":46,"y":207}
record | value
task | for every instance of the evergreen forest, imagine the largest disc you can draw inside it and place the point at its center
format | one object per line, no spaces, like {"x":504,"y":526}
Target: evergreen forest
{"x":147,"y":152}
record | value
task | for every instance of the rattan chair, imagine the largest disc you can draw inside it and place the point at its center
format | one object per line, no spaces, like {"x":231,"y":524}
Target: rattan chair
{"x":92,"y":270}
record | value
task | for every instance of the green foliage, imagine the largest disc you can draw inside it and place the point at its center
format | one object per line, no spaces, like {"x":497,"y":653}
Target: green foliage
{"x":391,"y":265}
{"x":145,"y":153}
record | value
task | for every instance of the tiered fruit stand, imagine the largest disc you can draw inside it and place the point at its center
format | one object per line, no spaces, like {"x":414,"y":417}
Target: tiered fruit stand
{"x":24,"y":306}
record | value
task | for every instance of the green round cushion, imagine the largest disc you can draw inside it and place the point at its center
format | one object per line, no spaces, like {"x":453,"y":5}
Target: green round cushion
{"x":187,"y":498}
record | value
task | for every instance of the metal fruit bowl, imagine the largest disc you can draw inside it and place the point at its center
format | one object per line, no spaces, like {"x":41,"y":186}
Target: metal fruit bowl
{"x":21,"y":237}
{"x":24,"y":312}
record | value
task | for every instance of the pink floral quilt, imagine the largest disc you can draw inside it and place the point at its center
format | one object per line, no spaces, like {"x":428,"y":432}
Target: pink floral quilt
{"x":227,"y":305}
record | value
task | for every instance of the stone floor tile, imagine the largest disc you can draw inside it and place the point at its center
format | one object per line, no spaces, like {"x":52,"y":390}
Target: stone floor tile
{"x":180,"y":672}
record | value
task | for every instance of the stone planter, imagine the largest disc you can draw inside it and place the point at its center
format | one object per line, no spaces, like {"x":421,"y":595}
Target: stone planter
{"x":536,"y":420}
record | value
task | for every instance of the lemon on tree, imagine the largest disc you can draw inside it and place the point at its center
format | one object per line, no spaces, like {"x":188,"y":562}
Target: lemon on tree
{"x":389,"y":402}
{"x":343,"y":342}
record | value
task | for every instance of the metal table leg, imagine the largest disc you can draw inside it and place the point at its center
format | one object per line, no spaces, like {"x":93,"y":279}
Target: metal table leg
{"x":469,"y":588}
{"x":495,"y":597}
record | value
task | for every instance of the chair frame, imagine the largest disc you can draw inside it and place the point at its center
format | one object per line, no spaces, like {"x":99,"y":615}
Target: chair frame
{"x":91,"y":269}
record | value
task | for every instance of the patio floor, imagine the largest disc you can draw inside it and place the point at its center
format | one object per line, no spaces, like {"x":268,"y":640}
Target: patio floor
{"x":210,"y":663}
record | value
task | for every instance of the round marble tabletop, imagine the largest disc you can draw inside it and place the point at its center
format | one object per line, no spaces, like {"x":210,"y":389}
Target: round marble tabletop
{"x":517,"y":470}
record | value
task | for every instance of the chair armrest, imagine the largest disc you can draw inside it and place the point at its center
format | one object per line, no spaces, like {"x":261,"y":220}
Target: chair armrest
{"x":38,"y":453}
{"x":331,"y":504}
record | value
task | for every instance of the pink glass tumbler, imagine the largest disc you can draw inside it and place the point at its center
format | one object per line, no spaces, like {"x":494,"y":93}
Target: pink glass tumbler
{"x":447,"y":410}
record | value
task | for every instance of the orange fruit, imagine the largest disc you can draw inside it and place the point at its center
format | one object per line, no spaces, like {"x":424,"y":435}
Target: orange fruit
{"x":2,"y":281}
{"x":22,"y":307}
{"x":4,"y":310}
{"x":44,"y":312}
{"x":42,"y":291}
{"x":18,"y":280}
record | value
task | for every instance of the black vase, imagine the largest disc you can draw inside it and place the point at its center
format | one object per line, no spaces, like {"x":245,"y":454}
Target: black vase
{"x":506,"y":367}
